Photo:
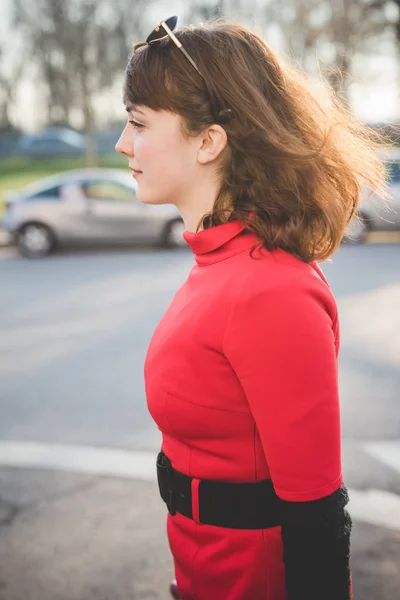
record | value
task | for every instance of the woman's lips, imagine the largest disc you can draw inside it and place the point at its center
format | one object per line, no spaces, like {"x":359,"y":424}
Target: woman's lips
{"x":136,"y":173}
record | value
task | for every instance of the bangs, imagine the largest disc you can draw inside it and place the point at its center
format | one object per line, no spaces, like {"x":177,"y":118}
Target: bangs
{"x":147,"y":79}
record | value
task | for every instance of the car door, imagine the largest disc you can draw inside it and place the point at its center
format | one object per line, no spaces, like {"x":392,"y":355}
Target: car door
{"x":76,"y":218}
{"x":114,"y":214}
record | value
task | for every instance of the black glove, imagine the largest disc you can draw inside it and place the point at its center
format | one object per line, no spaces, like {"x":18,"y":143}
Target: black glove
{"x":316,"y":548}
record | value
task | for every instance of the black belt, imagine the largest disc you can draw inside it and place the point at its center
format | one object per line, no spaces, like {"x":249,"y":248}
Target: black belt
{"x":223,"y":504}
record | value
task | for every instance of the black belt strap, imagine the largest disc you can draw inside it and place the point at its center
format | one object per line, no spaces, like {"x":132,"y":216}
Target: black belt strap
{"x":221,"y":503}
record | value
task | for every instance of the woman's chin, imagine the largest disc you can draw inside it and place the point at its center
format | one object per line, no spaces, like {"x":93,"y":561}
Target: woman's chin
{"x":151,"y":200}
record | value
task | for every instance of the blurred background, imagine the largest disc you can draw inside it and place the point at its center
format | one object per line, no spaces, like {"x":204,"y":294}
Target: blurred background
{"x":86,"y":272}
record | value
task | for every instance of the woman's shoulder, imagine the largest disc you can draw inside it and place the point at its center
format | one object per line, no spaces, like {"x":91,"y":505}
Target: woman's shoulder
{"x":279,"y":276}
{"x":279,"y":268}
{"x":279,"y":279}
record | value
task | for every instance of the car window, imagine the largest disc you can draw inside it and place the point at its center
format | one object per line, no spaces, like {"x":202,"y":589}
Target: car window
{"x":107,"y":190}
{"x":393,"y":172}
{"x":52,"y":193}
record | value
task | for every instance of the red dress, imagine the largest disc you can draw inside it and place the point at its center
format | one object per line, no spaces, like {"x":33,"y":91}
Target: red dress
{"x":241,"y":379}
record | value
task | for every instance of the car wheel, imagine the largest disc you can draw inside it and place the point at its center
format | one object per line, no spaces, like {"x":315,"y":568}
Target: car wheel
{"x":357,"y":231}
{"x":174,"y":235}
{"x":35,"y":240}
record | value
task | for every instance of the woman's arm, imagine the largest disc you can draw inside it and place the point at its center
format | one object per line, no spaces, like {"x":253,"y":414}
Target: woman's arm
{"x":281,"y":340}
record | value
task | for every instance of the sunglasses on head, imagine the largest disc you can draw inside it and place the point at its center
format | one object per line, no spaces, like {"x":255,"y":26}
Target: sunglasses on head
{"x":165,"y":30}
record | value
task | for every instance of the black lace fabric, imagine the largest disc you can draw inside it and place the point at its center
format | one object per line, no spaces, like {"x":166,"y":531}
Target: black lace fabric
{"x":316,"y":548}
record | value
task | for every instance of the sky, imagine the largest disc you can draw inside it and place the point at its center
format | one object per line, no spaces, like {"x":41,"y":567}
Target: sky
{"x":374,"y":92}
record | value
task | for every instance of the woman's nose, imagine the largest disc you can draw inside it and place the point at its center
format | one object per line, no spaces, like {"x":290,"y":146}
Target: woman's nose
{"x":125,"y":143}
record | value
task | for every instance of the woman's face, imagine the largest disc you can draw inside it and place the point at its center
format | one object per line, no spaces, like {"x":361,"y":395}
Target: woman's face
{"x":163,"y":161}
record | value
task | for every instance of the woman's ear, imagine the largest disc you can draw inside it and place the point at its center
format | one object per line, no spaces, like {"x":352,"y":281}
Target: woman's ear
{"x":213,"y":142}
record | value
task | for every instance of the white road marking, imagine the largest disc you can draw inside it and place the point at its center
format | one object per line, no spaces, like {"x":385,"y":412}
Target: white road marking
{"x":376,"y":507}
{"x":80,"y":459}
{"x":386,"y":452}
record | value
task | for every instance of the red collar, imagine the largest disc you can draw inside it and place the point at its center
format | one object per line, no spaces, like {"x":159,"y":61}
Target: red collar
{"x":219,"y":242}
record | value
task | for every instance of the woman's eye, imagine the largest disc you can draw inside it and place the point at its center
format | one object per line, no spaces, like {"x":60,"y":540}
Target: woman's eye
{"x":136,"y":125}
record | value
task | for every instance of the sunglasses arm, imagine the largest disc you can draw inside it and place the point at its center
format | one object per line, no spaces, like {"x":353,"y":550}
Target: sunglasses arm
{"x":179,"y":45}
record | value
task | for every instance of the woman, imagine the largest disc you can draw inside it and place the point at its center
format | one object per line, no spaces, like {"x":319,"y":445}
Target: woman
{"x":241,"y":373}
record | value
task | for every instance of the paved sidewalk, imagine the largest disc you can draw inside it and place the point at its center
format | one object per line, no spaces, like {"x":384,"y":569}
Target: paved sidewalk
{"x":74,"y":537}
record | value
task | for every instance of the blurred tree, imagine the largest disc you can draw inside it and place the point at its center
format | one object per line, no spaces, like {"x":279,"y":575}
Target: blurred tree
{"x":326,"y":35}
{"x":12,"y":65}
{"x":8,"y":83}
{"x":321,"y":35}
{"x":79,"y":48}
{"x":204,"y":10}
{"x":396,"y":4}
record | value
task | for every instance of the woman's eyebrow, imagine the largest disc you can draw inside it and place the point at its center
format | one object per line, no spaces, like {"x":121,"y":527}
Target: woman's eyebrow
{"x":132,"y":107}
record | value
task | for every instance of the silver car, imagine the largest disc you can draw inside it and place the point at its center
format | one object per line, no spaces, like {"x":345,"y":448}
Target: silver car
{"x":376,"y":214}
{"x":87,"y":206}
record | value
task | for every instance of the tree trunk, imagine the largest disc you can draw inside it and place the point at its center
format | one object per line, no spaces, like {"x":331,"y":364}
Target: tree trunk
{"x":90,"y":132}
{"x":88,"y":121}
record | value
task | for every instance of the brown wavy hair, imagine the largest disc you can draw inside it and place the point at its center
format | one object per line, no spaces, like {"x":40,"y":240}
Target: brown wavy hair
{"x":296,"y":165}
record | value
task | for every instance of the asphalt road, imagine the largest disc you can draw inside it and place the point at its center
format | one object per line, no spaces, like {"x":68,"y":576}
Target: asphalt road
{"x":74,"y":331}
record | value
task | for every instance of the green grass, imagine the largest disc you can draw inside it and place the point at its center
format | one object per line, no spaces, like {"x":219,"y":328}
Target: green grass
{"x":16,"y":172}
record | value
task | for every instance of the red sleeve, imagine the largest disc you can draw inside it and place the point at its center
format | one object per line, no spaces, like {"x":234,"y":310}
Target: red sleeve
{"x":281,"y":344}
